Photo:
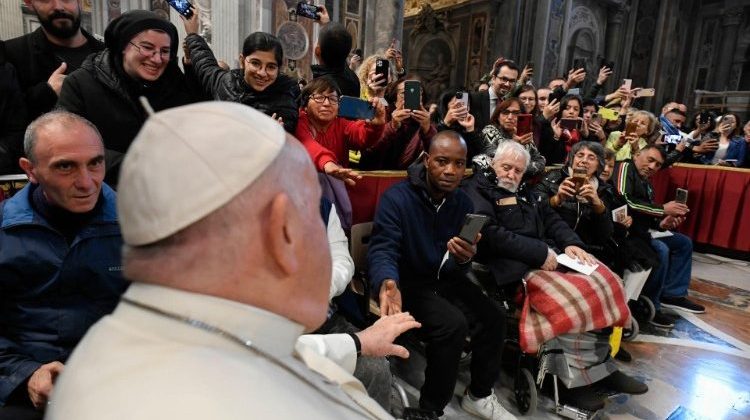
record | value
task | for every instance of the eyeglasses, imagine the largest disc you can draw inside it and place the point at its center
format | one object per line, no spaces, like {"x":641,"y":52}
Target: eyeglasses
{"x":511,"y":113}
{"x":150,"y":51}
{"x":505,"y":79}
{"x":332,"y":99}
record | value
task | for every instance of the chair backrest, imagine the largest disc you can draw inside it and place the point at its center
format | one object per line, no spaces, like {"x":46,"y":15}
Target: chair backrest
{"x":360,"y":243}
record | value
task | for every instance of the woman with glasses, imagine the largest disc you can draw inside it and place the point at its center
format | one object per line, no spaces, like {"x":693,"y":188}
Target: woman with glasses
{"x":258,"y":82}
{"x":328,"y":137}
{"x":140,"y":59}
{"x":503,"y":127}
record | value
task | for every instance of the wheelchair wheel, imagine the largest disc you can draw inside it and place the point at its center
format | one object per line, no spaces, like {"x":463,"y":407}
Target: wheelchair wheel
{"x":648,"y":306}
{"x":629,"y":334}
{"x":525,"y":391}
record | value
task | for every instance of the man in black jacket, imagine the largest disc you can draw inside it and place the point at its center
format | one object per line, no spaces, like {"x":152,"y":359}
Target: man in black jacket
{"x":334,"y":44}
{"x":12,"y":117}
{"x":44,"y":57}
{"x":415,"y":252}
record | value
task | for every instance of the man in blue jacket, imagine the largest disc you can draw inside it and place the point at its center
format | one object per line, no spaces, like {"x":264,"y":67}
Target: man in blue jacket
{"x":416,"y":255}
{"x":59,"y":258}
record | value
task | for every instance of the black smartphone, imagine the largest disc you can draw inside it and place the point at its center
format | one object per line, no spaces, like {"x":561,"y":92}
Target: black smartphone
{"x":570,"y":123}
{"x":355,"y":108}
{"x":704,"y":118}
{"x":183,"y":7}
{"x":681,"y":196}
{"x":381,"y":67}
{"x":609,"y":64}
{"x":579,"y":63}
{"x":307,"y":10}
{"x":412,"y":95}
{"x":473,"y":224}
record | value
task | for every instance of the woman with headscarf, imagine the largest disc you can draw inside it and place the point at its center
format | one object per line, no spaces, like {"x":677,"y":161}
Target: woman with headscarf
{"x":140,"y":59}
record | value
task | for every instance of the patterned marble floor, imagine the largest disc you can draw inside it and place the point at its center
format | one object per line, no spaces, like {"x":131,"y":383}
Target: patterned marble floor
{"x":698,"y":370}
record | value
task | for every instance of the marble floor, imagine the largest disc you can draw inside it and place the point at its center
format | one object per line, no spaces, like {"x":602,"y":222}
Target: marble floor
{"x":698,"y":370}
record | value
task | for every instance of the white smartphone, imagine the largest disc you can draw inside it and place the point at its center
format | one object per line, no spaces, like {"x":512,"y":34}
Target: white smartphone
{"x":628,"y":83}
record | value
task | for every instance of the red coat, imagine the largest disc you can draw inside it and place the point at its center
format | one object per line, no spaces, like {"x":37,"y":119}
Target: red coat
{"x":333,"y":145}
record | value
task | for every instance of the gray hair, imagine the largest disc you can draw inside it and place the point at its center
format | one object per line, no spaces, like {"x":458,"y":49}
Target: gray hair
{"x":58,"y":116}
{"x":512,"y":148}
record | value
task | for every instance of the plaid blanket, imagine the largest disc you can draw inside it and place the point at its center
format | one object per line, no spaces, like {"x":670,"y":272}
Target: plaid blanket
{"x":557,"y":303}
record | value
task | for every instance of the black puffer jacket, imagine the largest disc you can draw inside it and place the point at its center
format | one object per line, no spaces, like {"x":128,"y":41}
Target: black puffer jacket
{"x":593,"y":229}
{"x":522,"y":227}
{"x":102,"y":93}
{"x":229,"y":85}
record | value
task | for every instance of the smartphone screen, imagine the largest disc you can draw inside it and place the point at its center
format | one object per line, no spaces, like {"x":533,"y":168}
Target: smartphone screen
{"x":309,"y":11}
{"x":524,"y":124}
{"x":381,"y":67}
{"x":570,"y":124}
{"x":412,"y":95}
{"x":473,"y":224}
{"x":355,"y":108}
{"x":182,"y":7}
{"x":681,"y":196}
{"x":628,"y":83}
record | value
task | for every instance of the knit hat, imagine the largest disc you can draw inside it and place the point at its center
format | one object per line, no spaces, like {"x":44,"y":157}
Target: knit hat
{"x":189,"y":161}
{"x":125,"y":27}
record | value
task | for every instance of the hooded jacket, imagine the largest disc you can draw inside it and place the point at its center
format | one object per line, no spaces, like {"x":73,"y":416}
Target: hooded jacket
{"x":410,"y":235}
{"x":52,"y":292}
{"x":103,"y":93}
{"x":521,"y":229}
{"x":229,"y":85}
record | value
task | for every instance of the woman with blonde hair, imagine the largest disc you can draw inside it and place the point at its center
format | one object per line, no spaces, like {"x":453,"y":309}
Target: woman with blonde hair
{"x":625,"y":146}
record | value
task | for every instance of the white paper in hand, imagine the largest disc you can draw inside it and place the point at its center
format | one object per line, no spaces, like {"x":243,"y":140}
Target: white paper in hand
{"x":656,"y":234}
{"x":619,"y":214}
{"x":571,"y":263}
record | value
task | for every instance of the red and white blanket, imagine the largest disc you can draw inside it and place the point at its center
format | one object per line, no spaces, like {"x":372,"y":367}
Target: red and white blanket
{"x":558,"y":303}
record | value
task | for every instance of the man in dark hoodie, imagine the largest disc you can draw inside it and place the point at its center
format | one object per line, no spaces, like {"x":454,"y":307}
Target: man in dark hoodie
{"x":416,"y":255}
{"x":140,"y":59}
{"x":334,"y":44}
{"x":57,"y":48}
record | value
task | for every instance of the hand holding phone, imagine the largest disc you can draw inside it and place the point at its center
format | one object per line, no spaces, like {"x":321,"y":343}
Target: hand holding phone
{"x":473,"y":224}
{"x":356,"y":109}
{"x":681,"y":196}
{"x":412,"y":95}
{"x":183,"y":7}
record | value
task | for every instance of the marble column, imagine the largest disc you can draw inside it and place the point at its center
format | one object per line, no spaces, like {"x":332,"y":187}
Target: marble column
{"x":614,"y":39}
{"x":232,"y":21}
{"x":11,"y":20}
{"x":387,"y":23}
{"x":732,"y":19}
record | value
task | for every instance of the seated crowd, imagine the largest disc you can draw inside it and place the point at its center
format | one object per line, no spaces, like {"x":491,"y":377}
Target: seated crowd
{"x":210,"y":203}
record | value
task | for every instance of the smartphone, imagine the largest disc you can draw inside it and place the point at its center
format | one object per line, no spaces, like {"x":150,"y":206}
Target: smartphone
{"x":644,"y":92}
{"x":381,"y":67}
{"x":609,"y":114}
{"x":183,"y":7}
{"x":307,"y":10}
{"x":473,"y":224}
{"x":463,"y":97}
{"x":681,"y":196}
{"x":355,"y":108}
{"x":628,"y":83}
{"x":608,"y":64}
{"x":523,"y":126}
{"x":704,"y":118}
{"x":579,"y":63}
{"x":596,"y":118}
{"x":412,"y":95}
{"x":570,"y":124}
{"x":630,"y":127}
{"x":580,"y":175}
{"x":574,"y":91}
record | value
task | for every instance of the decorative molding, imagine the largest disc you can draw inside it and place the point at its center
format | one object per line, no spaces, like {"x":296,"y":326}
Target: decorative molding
{"x":414,"y":7}
{"x":428,"y":21}
{"x":732,"y":17}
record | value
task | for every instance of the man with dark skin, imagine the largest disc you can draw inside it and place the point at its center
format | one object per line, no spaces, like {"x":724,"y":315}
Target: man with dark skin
{"x":418,"y":263}
{"x":44,"y":57}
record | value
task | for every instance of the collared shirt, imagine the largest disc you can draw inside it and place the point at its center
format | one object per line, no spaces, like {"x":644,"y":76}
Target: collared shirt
{"x":140,"y":364}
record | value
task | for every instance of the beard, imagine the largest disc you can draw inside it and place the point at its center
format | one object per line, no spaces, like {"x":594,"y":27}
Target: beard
{"x":64,"y":31}
{"x":508,"y":185}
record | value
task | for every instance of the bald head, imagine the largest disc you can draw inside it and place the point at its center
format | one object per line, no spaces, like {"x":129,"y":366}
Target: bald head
{"x":266,"y":247}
